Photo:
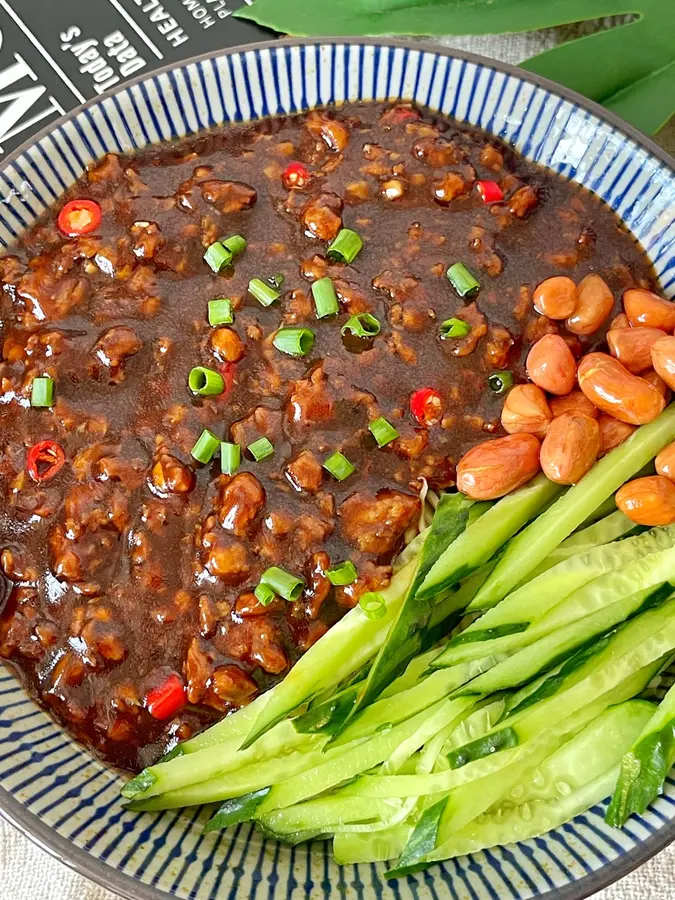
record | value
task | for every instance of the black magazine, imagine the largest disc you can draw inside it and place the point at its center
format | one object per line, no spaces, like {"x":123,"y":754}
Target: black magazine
{"x":56,"y":55}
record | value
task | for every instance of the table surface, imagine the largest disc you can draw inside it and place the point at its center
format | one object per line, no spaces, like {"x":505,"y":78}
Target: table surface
{"x":29,"y":873}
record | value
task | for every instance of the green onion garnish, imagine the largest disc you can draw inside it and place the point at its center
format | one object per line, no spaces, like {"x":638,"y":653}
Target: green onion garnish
{"x":217,"y":256}
{"x":42,"y":392}
{"x":220,"y":312}
{"x":325,"y":298}
{"x":264,"y":293}
{"x":383,"y":431}
{"x":339,"y":466}
{"x":373,"y":605}
{"x":277,"y":281}
{"x":344,"y":573}
{"x":230,"y":458}
{"x":500,"y":382}
{"x":346,"y":246}
{"x":235,"y":244}
{"x":261,"y":449}
{"x":363,"y":325}
{"x":454,"y":328}
{"x":206,"y":446}
{"x":205,"y":382}
{"x":283,"y":583}
{"x":462,"y":280}
{"x":264,"y":594}
{"x":294,"y":341}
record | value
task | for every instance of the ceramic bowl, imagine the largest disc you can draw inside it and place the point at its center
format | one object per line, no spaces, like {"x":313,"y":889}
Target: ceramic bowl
{"x":50,"y":787}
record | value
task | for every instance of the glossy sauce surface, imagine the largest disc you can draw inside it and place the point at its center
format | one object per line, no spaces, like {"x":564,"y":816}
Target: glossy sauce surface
{"x":135,"y":562}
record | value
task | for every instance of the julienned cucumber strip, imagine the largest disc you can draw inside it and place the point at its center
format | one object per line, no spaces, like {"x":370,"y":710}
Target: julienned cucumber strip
{"x":551,"y":591}
{"x":612,"y":528}
{"x":422,"y":841}
{"x":404,"y":639}
{"x":518,"y":824}
{"x":645,"y":766}
{"x":350,"y":761}
{"x":344,"y":649}
{"x":391,"y":710}
{"x":535,"y":542}
{"x":558,"y":642}
{"x":559,"y":724}
{"x":379,"y":846}
{"x":482,"y":539}
{"x":329,"y":717}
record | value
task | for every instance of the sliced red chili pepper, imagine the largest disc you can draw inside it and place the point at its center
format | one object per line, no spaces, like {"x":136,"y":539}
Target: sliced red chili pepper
{"x":295,"y":175}
{"x":400,"y":114}
{"x":79,"y":217}
{"x":426,"y":405}
{"x":165,"y":700}
{"x":228,"y":371}
{"x":489,"y":191}
{"x":45,"y":460}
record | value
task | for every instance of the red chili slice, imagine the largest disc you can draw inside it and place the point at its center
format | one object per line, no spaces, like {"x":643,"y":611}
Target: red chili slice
{"x":79,"y":217}
{"x":295,"y":175}
{"x":489,"y":191}
{"x":44,"y":461}
{"x":165,"y":700}
{"x":427,"y":406}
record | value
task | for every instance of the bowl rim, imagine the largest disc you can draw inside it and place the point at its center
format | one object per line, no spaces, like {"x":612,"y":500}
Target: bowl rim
{"x":117,"y":881}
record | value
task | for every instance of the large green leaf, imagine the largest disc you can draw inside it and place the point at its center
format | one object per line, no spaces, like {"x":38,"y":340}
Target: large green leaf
{"x":629,"y":67}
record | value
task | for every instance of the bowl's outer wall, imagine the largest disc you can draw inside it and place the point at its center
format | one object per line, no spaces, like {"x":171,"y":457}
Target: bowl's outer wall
{"x":49,"y":785}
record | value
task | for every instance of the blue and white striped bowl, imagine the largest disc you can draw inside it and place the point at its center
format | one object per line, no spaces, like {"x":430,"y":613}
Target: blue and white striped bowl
{"x":49,"y":786}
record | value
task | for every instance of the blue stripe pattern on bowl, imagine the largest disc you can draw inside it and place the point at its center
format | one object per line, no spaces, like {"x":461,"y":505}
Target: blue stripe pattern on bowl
{"x":42,"y":771}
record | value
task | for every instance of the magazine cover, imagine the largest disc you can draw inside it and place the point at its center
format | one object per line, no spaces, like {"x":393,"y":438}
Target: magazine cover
{"x":54,"y":56}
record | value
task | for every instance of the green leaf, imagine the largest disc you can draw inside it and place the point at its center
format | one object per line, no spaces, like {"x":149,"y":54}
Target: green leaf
{"x":236,"y":810}
{"x":421,"y":842}
{"x":630,"y":68}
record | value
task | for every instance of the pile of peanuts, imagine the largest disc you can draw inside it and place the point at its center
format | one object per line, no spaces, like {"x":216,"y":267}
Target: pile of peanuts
{"x":561,"y":429}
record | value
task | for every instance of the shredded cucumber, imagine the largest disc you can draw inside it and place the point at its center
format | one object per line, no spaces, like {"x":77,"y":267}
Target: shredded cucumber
{"x":535,"y":542}
{"x":482,"y":539}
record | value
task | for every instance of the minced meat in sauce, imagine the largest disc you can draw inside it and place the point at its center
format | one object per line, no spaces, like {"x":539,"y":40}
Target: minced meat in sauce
{"x":134,"y":567}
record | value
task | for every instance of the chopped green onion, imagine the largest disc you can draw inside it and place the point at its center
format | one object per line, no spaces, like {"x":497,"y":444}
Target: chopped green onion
{"x":462,"y":280}
{"x":265,"y":294}
{"x":363,"y":325}
{"x":277,"y":281}
{"x":220,"y":312}
{"x":454,"y":328}
{"x":345,"y":573}
{"x":261,"y":449}
{"x":373,"y":605}
{"x":325,"y":298}
{"x":283,"y":583}
{"x":339,"y":466}
{"x":42,"y":392}
{"x":205,"y":382}
{"x":383,"y":431}
{"x":235,"y":244}
{"x":206,"y":446}
{"x":264,"y":594}
{"x":500,"y":382}
{"x":230,"y":458}
{"x":294,"y":341}
{"x":346,"y":246}
{"x":217,"y":256}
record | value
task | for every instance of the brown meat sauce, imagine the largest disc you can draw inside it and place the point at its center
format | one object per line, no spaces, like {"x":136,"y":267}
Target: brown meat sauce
{"x":134,"y":561}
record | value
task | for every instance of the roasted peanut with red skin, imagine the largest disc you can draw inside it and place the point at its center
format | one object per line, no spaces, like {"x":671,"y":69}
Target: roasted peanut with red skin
{"x":555,"y":297}
{"x":665,"y":462}
{"x":648,"y":309}
{"x":663,"y":359}
{"x":574,"y":402}
{"x":594,"y":305}
{"x":612,"y":388}
{"x":648,"y":501}
{"x":570,"y":448}
{"x":632,"y":346}
{"x":551,"y":366}
{"x":612,"y":433}
{"x":526,"y":410}
{"x":657,"y":382}
{"x":495,"y":468}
